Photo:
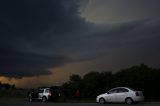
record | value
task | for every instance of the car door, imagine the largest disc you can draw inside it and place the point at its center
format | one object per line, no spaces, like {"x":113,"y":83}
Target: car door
{"x":111,"y":95}
{"x":40,"y":93}
{"x":121,"y":94}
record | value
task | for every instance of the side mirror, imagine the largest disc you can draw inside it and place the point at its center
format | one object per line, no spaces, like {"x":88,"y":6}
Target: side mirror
{"x":108,"y":92}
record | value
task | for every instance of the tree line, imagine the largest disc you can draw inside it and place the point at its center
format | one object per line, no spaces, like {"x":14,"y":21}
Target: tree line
{"x":139,"y":77}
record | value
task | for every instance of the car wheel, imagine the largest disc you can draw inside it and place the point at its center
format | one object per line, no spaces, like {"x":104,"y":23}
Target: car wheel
{"x":128,"y":101}
{"x":44,"y":99}
{"x":102,"y":101}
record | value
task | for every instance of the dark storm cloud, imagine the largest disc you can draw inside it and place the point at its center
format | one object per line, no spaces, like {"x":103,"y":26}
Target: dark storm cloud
{"x":34,"y":24}
{"x":18,"y":64}
{"x":32,"y":16}
{"x":29,"y":29}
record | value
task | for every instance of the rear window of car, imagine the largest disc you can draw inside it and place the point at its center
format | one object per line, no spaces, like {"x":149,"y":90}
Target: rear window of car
{"x":47,"y":90}
{"x":132,"y":89}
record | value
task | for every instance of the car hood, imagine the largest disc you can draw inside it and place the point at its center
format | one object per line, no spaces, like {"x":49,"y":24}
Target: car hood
{"x":104,"y":94}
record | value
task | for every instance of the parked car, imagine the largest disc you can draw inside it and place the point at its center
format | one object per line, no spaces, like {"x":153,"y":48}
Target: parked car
{"x":44,"y":94}
{"x":121,"y":95}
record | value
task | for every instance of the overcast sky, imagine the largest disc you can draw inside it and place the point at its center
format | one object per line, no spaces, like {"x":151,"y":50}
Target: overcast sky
{"x":46,"y":41}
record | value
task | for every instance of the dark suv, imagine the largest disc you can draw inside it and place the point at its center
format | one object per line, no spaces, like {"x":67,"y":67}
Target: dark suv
{"x":44,"y":94}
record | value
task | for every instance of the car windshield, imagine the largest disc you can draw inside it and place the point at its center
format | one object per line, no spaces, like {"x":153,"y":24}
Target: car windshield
{"x":112,"y":91}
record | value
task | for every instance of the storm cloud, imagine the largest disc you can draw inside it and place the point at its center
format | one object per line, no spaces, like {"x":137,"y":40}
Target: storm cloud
{"x":36,"y":35}
{"x":19,"y":64}
{"x":29,"y":29}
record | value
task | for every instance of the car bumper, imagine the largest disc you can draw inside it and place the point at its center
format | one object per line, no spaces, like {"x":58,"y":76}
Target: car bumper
{"x":97,"y":99}
{"x":139,"y":99}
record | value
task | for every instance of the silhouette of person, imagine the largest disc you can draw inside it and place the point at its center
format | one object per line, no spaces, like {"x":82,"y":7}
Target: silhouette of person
{"x":77,"y":94}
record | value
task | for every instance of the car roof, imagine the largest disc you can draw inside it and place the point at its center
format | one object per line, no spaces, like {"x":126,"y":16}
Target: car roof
{"x":43,"y":88}
{"x":121,"y":87}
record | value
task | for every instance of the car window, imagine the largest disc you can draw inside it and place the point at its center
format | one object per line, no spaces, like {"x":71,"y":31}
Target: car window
{"x":40,"y":91}
{"x":47,"y":91}
{"x":112,"y":91}
{"x":122,"y":90}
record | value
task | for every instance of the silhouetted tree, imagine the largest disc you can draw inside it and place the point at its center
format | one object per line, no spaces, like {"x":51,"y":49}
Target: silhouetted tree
{"x":75,"y":83}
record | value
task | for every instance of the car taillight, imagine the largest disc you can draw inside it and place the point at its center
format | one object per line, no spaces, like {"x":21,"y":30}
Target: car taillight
{"x":137,"y":94}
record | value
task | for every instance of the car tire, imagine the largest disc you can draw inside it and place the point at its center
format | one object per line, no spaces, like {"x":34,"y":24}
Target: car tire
{"x":129,"y":101}
{"x":44,"y":99}
{"x":102,"y":101}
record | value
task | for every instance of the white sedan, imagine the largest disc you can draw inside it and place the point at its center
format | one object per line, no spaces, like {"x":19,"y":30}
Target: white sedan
{"x":121,"y":95}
